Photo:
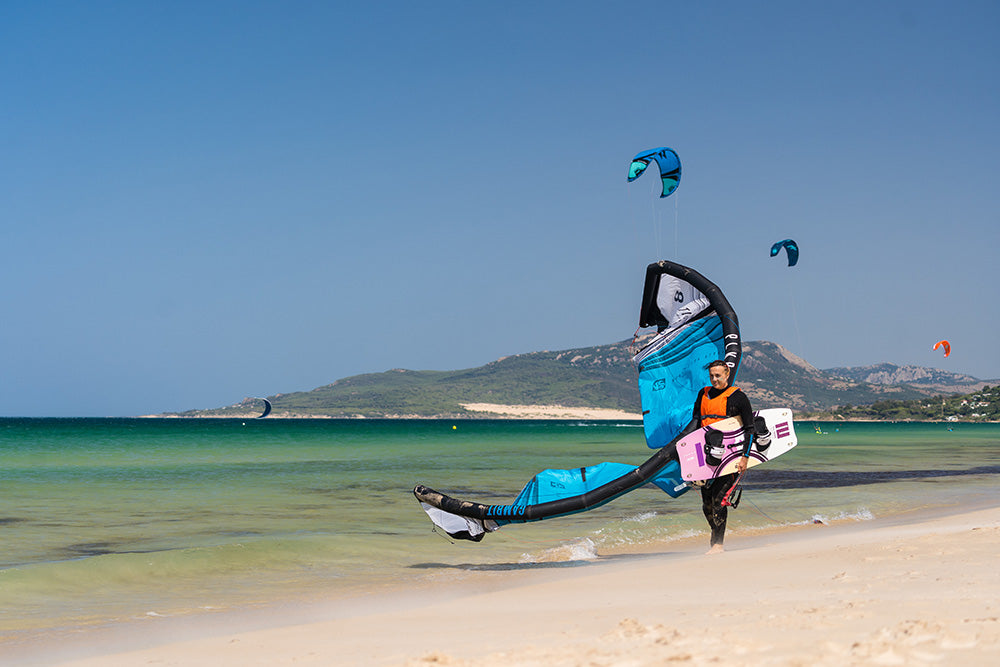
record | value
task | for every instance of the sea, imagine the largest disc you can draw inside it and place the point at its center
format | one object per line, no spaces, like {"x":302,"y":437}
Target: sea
{"x":104,"y":521}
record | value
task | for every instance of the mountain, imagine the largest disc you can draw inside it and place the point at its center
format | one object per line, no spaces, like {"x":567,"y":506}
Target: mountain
{"x":931,"y":379}
{"x":772,"y":376}
{"x":601,"y":376}
{"x":597,"y":377}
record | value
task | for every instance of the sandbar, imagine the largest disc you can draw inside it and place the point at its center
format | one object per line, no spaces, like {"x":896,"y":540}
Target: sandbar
{"x":548,"y":411}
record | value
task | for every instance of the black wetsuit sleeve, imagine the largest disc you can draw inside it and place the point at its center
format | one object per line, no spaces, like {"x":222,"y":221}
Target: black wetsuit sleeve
{"x":691,"y":427}
{"x":738,"y":405}
{"x":696,"y":411}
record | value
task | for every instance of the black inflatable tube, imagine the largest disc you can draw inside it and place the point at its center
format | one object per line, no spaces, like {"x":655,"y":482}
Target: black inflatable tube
{"x":595,"y":498}
{"x":650,"y":316}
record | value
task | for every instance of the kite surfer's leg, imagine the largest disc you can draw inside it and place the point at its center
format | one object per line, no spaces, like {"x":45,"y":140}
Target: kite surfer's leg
{"x":716,"y":515}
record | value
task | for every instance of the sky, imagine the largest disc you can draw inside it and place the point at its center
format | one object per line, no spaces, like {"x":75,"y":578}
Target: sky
{"x":203,"y":202}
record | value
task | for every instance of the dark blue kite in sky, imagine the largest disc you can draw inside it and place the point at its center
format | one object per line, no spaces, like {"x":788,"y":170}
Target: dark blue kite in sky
{"x":790,"y":246}
{"x":668,"y":162}
{"x":267,"y":409}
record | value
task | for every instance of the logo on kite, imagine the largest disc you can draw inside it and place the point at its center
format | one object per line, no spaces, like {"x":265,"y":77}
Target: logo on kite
{"x":943,"y":344}
{"x":790,"y":246}
{"x":668,"y":162}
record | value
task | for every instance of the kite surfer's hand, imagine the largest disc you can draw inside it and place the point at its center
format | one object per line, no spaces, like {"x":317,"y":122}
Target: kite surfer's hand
{"x":741,"y":465}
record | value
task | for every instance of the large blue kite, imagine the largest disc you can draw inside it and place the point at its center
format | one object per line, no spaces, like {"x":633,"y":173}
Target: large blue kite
{"x":694,"y":325}
{"x":668,"y":162}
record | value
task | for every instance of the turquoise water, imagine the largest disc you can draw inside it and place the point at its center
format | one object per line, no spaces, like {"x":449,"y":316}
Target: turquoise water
{"x":109,"y":519}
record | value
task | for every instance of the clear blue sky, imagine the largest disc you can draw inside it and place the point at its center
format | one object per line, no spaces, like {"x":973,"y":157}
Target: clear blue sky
{"x":204,"y":201}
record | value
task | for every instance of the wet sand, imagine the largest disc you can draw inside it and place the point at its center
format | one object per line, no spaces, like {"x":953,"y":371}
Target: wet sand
{"x":909,"y":590}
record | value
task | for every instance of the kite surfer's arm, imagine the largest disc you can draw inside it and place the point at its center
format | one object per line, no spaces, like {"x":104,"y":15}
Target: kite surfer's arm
{"x":739,"y":403}
{"x":692,"y":426}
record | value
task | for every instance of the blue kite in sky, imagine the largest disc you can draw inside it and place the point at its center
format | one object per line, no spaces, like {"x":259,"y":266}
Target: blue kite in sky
{"x":666,"y":160}
{"x":790,"y":246}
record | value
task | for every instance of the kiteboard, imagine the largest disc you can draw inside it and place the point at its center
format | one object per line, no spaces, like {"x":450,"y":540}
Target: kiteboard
{"x":699,"y":463}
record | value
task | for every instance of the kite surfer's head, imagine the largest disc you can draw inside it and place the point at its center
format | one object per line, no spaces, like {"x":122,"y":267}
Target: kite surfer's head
{"x":718,"y":374}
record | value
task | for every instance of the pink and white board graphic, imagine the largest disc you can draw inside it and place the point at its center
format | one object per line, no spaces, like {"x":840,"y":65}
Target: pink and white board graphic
{"x":694,"y":461}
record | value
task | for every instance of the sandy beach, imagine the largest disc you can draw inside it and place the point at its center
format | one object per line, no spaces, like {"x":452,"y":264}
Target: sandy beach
{"x":494,"y":410}
{"x":913,"y":590}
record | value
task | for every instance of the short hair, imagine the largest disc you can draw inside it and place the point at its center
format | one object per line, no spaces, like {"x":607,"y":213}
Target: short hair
{"x":719,"y":362}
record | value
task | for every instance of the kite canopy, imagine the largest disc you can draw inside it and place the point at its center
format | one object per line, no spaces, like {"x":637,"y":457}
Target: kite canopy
{"x":695,"y":326}
{"x":668,"y":162}
{"x":790,"y":246}
{"x":943,"y":344}
{"x":267,"y":409}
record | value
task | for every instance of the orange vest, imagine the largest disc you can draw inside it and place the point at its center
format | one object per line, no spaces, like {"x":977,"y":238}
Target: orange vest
{"x":714,"y":409}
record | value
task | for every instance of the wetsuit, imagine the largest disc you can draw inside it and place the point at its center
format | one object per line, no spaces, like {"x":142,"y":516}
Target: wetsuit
{"x":711,"y":406}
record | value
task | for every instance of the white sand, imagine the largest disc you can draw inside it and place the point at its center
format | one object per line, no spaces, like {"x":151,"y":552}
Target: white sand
{"x":874,"y":593}
{"x":548,"y":411}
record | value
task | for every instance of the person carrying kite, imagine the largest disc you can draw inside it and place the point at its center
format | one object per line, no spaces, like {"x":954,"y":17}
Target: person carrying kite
{"x":715,"y":403}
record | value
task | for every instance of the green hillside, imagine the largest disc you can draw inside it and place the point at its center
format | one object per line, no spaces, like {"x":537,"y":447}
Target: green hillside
{"x":595,"y":377}
{"x":978,"y":406}
{"x":600,"y":376}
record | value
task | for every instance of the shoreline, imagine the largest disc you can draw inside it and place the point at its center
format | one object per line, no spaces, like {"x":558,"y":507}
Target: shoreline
{"x":906,"y":589}
{"x":477,"y":410}
{"x":549,"y":412}
{"x":500,"y":411}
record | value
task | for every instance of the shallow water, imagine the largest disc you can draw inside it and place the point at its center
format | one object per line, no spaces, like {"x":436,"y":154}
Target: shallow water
{"x":105,"y":519}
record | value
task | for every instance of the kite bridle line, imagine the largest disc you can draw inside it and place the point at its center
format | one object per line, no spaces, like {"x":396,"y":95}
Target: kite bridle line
{"x":749,"y":434}
{"x":725,"y":499}
{"x":676,"y":225}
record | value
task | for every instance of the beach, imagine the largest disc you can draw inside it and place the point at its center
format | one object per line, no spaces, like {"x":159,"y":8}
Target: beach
{"x":918,"y":588}
{"x":498,"y":411}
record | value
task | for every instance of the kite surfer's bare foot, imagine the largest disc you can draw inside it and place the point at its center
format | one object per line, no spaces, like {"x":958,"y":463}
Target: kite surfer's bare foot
{"x":716,"y":549}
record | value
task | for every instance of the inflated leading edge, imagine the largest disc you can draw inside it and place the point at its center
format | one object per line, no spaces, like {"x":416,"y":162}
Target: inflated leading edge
{"x":695,"y":325}
{"x":553,"y":493}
